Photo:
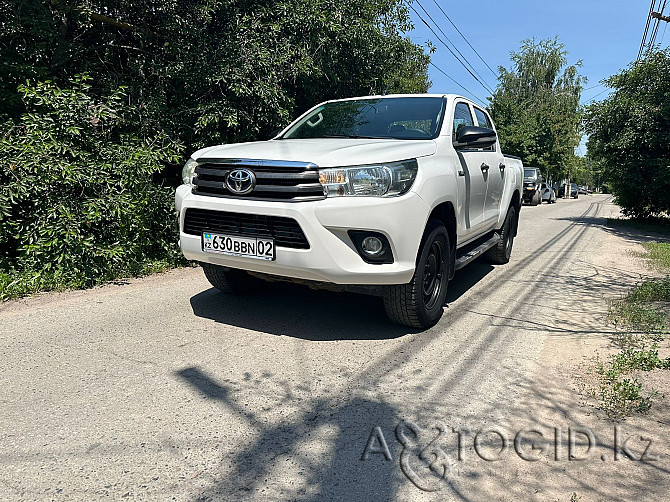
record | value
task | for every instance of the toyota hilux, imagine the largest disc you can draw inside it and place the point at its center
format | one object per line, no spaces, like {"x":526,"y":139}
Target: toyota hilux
{"x":386,"y":195}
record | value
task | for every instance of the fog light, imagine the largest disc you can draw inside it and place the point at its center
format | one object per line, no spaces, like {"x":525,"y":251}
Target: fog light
{"x":372,"y":246}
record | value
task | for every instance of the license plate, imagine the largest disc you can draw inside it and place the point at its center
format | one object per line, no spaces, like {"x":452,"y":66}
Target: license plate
{"x":260,"y":248}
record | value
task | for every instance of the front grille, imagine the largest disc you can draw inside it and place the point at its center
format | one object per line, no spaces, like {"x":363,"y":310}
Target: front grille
{"x":275,"y":180}
{"x":286,"y":232}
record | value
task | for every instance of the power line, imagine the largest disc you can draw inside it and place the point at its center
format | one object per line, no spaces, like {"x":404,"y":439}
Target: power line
{"x":464,"y":62}
{"x":594,"y":97}
{"x":658,"y":22}
{"x":487,"y":88}
{"x":592,"y":87}
{"x":458,"y":84}
{"x":646,"y":30}
{"x":466,"y":40}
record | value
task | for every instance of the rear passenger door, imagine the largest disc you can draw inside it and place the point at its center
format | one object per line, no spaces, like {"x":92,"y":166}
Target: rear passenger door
{"x":472,"y":175}
{"x":495,"y":181}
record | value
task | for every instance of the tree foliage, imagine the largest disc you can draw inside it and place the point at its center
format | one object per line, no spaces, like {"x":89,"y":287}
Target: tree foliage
{"x":100,"y":100}
{"x":77,"y":196}
{"x":211,"y":71}
{"x":629,"y":136}
{"x":536,"y":106}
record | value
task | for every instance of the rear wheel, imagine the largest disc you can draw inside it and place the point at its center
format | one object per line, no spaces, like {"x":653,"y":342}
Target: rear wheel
{"x":501,"y":252}
{"x":419,"y":304}
{"x":230,"y":280}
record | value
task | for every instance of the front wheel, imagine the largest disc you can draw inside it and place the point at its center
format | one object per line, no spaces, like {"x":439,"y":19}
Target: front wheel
{"x":419,"y":304}
{"x":230,"y":280}
{"x":501,"y":252}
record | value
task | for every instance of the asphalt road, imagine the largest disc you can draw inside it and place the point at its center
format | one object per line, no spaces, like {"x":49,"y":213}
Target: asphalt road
{"x":164,"y":388}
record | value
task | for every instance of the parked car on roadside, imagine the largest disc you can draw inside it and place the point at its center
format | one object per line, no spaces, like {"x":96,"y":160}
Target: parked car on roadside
{"x":532,"y":181}
{"x":574,"y":191}
{"x":548,"y":193}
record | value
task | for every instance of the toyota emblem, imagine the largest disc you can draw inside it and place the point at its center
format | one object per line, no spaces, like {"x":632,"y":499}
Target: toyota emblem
{"x":240,"y":181}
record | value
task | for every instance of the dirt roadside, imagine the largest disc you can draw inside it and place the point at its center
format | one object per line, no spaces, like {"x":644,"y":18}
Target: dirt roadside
{"x":628,"y":460}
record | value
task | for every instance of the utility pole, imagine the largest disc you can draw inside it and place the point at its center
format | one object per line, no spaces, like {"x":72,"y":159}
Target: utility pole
{"x":660,"y":17}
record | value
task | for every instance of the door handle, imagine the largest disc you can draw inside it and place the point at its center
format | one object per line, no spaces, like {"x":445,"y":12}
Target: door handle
{"x":461,"y":173}
{"x":501,"y":166}
{"x":485,"y":167}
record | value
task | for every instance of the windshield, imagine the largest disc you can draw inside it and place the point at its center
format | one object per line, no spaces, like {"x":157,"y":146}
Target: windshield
{"x":530,"y":173}
{"x":397,"y":118}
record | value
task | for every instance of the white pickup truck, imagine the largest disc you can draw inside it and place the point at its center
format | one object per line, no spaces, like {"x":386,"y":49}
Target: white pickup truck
{"x":386,"y":195}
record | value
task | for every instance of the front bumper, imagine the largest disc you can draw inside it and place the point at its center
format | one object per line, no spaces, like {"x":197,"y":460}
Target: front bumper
{"x":332,"y":256}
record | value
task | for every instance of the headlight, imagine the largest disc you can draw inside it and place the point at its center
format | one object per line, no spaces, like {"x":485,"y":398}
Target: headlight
{"x":376,"y":180}
{"x":188,"y":173}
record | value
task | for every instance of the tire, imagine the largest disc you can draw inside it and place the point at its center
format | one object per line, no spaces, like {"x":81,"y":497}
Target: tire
{"x":420,"y":303}
{"x":230,"y":280}
{"x":501,"y":252}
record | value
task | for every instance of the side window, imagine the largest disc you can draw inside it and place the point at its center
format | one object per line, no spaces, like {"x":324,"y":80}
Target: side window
{"x":482,"y":119}
{"x":462,"y":117}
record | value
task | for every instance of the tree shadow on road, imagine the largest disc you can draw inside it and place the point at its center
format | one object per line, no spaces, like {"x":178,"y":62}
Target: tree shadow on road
{"x":295,"y":445}
{"x":316,"y":454}
{"x":625,"y":229}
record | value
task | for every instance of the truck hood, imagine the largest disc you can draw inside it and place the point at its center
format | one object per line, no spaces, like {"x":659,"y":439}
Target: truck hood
{"x":324,"y":152}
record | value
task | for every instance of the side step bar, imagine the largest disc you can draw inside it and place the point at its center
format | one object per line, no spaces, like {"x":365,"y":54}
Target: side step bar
{"x":475,"y":253}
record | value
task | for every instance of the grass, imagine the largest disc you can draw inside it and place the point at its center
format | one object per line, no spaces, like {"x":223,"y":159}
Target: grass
{"x":621,"y":395}
{"x":658,"y":254}
{"x":643,"y":360}
{"x":637,"y":316}
{"x":645,"y":308}
{"x":16,"y":284}
{"x":642,"y":320}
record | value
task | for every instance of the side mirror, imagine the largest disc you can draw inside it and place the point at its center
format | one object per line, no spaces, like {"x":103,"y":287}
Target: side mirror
{"x":475,"y":137}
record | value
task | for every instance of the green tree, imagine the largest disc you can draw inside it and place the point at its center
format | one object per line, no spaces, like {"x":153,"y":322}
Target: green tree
{"x":86,"y":164}
{"x":536,"y":106}
{"x":629,"y":136}
{"x":78,"y":200}
{"x":208,"y":71}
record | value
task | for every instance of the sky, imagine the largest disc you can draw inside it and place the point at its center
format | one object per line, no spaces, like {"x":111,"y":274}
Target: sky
{"x":604,"y":35}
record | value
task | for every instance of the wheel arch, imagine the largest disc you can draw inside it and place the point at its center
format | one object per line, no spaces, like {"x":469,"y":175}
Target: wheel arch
{"x":446,"y":214}
{"x":516,"y":203}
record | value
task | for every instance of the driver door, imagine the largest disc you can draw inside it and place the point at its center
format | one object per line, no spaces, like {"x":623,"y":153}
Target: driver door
{"x":473,"y":177}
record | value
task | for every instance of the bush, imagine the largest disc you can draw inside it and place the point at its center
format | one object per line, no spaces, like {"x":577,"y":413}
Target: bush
{"x":629,"y":136}
{"x":78,"y":201}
